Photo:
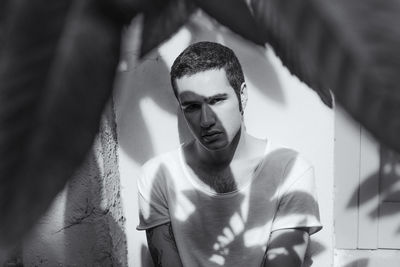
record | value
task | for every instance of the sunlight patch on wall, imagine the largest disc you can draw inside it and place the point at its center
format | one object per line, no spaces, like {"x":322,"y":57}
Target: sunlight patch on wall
{"x":171,"y":49}
{"x":158,"y":122}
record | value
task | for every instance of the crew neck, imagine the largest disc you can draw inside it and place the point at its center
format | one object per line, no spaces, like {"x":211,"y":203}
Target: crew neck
{"x":203,"y":187}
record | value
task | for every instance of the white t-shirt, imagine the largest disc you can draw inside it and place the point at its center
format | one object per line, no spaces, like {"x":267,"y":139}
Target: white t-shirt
{"x":228,"y":229}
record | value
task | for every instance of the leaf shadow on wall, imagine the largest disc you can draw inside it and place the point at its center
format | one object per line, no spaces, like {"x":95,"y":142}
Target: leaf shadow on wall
{"x":148,"y":82}
{"x":357,"y":263}
{"x":387,"y":179}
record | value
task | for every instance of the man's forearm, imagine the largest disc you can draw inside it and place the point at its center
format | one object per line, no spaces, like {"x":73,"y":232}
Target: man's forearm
{"x":162,"y":246}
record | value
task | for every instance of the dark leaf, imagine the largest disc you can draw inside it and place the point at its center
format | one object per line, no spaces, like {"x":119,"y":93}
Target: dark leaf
{"x":4,"y":4}
{"x":160,"y":24}
{"x":275,"y":29}
{"x":67,"y":118}
{"x":350,"y":47}
{"x":31,"y":34}
{"x":125,"y":10}
{"x":236,"y":15}
{"x":126,"y":6}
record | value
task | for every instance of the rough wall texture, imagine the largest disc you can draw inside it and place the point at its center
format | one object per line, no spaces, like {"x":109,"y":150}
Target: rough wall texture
{"x":112,"y":219}
{"x":85,"y":225}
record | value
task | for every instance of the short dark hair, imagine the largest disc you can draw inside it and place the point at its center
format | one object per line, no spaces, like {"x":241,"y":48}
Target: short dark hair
{"x":204,"y":56}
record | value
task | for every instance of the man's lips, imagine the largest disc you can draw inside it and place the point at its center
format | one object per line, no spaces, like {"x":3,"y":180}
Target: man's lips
{"x":210,"y":134}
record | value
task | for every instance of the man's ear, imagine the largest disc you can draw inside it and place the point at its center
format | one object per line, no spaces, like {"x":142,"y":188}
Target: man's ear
{"x":243,"y":96}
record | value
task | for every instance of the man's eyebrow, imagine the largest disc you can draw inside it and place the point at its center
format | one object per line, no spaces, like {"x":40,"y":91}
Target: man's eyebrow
{"x":189,"y":102}
{"x":224,"y":95}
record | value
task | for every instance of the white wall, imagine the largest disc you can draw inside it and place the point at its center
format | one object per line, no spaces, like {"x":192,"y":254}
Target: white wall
{"x":280,"y":108}
{"x":366,"y":208}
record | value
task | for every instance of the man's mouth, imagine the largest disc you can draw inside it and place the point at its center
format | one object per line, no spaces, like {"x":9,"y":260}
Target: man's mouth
{"x":211,"y":136}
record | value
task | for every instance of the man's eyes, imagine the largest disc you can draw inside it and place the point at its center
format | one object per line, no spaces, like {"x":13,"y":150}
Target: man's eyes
{"x":192,"y":107}
{"x":195,"y":106}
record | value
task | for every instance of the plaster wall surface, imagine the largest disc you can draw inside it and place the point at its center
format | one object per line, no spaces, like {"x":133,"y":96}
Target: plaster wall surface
{"x":366,"y":258}
{"x":85,"y":224}
{"x":280,"y":108}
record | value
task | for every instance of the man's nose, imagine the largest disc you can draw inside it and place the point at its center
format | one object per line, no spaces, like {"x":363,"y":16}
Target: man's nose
{"x":207,"y":116}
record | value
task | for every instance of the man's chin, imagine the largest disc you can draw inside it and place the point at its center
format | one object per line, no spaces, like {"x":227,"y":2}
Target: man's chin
{"x":215,"y":146}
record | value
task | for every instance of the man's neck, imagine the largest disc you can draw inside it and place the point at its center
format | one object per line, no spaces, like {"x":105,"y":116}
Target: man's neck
{"x":219,"y":159}
{"x":214,"y":168}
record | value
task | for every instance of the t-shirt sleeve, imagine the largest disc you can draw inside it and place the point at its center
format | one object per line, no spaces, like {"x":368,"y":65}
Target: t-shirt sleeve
{"x":152,"y":200}
{"x":297,"y":205}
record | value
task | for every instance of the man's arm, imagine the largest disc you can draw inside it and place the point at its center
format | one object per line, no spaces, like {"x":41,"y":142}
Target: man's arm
{"x":287,"y":248}
{"x":162,"y":246}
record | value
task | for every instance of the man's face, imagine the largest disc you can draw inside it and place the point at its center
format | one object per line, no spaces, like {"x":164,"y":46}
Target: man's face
{"x":210,"y":107}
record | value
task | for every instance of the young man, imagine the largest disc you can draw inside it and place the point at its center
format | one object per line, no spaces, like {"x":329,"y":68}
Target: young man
{"x":226,"y":198}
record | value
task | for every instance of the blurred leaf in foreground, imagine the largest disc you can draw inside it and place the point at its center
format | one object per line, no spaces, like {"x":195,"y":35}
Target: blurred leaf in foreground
{"x":49,"y":116}
{"x":350,"y":47}
{"x":160,"y":24}
{"x":26,"y":55}
{"x":236,"y":15}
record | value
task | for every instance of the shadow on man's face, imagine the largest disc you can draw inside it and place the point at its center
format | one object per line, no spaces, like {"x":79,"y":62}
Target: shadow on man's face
{"x":211,"y":120}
